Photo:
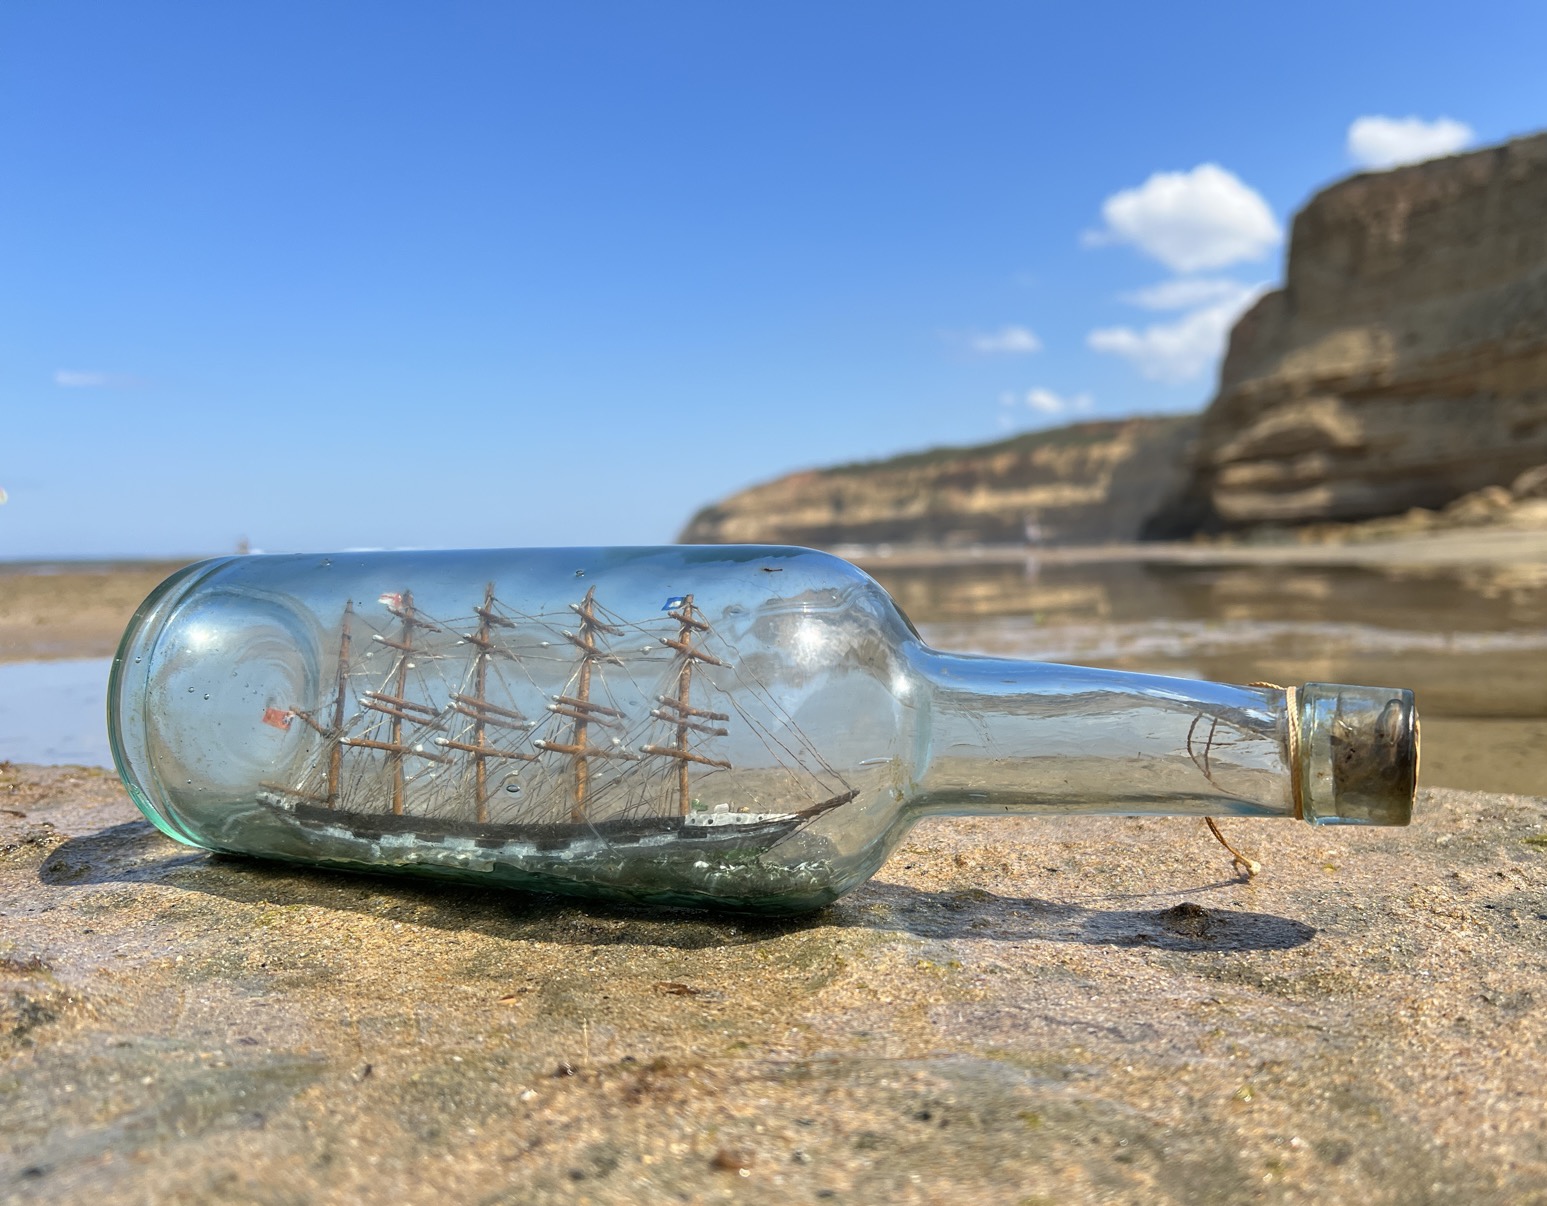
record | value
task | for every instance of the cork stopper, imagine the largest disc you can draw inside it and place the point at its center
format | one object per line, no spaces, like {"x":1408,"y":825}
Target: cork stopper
{"x":1358,"y":754}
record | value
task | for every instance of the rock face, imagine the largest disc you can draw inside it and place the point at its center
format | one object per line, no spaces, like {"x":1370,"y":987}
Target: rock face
{"x":1404,"y":362}
{"x":1090,"y":482}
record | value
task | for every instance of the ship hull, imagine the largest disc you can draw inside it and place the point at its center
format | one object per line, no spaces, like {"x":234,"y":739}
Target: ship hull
{"x":494,"y":839}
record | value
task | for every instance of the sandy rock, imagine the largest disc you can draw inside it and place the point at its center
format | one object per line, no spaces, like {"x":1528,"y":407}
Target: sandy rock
{"x":1046,"y":1010}
{"x":1531,"y":484}
{"x":1480,"y":506}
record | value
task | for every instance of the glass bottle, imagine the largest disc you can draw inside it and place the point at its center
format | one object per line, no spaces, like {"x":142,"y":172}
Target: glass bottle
{"x":751,"y":728}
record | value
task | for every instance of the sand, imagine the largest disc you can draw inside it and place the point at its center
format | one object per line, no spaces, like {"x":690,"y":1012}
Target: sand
{"x":1012,"y":1010}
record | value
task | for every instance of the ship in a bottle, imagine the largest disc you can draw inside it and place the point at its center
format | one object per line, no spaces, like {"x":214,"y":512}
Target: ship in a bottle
{"x":505,"y":737}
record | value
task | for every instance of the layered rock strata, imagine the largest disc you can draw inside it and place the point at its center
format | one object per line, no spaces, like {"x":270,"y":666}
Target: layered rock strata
{"x":1404,"y":362}
{"x":1089,"y":482}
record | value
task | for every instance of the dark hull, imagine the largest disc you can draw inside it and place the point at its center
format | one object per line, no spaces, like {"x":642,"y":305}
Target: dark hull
{"x":548,"y":838}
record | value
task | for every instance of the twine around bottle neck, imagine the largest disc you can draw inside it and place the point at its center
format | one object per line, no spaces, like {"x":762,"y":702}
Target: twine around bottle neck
{"x":1292,"y":744}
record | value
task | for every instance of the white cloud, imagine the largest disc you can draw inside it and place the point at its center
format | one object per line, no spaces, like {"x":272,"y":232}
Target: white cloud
{"x":1189,"y":221}
{"x":1015,"y":341}
{"x":74,"y":379}
{"x":1044,"y":402}
{"x":77,"y":379}
{"x":1183,"y":350}
{"x":1383,"y":142}
{"x":1190,"y":292}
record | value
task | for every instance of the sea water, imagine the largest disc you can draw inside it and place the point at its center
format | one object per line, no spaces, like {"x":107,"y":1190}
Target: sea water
{"x":55,"y":712}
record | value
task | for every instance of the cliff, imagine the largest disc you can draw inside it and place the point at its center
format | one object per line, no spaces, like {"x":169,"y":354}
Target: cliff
{"x":1404,"y":362}
{"x":1089,"y":482}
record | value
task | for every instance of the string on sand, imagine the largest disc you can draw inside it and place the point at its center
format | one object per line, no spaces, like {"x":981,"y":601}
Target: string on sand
{"x":1246,"y":866}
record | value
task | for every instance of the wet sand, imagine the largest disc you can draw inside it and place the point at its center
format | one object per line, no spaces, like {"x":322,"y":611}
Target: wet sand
{"x":1452,"y":547}
{"x":70,"y":610}
{"x":64,"y":609}
{"x":1460,"y":618}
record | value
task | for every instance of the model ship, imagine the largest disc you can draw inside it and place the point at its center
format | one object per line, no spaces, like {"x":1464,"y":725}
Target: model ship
{"x":421,"y":739}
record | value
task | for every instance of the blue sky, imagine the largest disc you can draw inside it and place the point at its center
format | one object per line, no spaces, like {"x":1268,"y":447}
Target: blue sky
{"x":329,"y":275}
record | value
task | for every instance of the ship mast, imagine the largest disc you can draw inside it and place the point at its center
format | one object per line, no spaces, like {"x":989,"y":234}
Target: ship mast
{"x":336,"y":754}
{"x":484,"y":714}
{"x":397,"y":707}
{"x":678,"y":710}
{"x":580,"y":708}
{"x":334,"y":735}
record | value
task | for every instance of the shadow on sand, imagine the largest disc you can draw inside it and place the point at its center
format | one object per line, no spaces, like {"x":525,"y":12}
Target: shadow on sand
{"x":135,"y":853}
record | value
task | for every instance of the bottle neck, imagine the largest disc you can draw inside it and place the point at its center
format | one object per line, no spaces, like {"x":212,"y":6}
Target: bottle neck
{"x":1006,"y":736}
{"x":1027,"y":737}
